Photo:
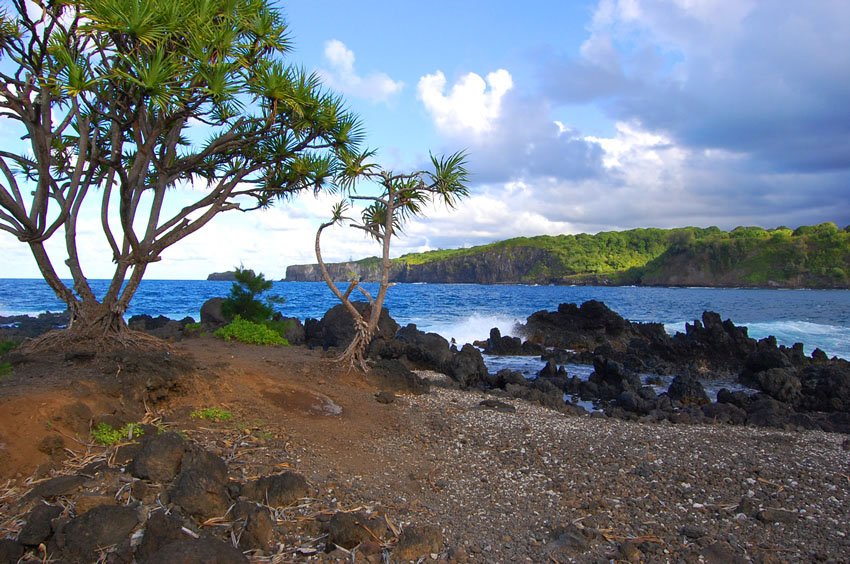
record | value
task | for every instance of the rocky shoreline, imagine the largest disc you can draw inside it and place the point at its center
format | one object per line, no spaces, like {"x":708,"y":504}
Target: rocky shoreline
{"x":430,"y":456}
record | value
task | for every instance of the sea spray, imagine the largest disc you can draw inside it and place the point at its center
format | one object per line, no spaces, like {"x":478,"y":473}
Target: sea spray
{"x":834,"y":340}
{"x":472,"y":328}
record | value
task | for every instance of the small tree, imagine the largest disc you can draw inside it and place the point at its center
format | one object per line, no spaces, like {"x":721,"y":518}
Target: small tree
{"x":402,"y":197}
{"x":244,"y":299}
{"x":113,"y":95}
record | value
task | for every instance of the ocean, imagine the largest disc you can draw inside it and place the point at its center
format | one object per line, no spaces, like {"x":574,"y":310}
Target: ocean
{"x":467,"y":312}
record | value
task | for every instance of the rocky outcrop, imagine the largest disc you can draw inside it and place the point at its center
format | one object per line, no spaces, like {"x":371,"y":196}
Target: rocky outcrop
{"x":229,"y":276}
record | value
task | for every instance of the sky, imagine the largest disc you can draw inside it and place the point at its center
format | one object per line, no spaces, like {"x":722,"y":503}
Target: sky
{"x":577,"y":116}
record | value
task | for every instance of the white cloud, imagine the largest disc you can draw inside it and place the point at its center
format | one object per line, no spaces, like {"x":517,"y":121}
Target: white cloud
{"x":470,"y":106}
{"x":343,"y":77}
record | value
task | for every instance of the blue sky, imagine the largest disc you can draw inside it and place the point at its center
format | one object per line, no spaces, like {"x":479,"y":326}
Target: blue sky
{"x":578,"y":116}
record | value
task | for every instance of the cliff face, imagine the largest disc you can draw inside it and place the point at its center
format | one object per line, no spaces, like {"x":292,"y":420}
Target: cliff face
{"x":496,"y":266}
{"x":809,"y":257}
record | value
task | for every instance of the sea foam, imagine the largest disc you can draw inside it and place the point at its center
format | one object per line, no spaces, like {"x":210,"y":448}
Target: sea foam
{"x":472,"y":328}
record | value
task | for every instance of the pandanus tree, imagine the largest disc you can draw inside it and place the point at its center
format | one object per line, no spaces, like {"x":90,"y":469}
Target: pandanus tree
{"x":400,"y":197}
{"x":119,"y":102}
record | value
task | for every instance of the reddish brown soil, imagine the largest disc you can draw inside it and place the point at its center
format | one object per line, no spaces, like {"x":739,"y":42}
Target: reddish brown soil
{"x":283,"y":392}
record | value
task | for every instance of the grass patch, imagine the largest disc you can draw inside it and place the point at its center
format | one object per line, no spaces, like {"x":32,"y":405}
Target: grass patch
{"x":251,"y":333}
{"x":192,"y":329}
{"x":107,"y":435}
{"x":212,"y":414}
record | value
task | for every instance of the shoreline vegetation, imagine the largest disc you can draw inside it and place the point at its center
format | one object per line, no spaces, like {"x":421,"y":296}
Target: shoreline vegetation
{"x":816,"y":257}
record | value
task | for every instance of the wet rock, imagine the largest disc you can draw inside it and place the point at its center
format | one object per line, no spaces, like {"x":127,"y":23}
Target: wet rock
{"x":428,"y":351}
{"x":417,"y":542}
{"x":160,"y":457}
{"x":258,"y":531}
{"x":197,"y":551}
{"x":101,"y":527}
{"x":38,"y":527}
{"x":688,"y":391}
{"x":497,"y":405}
{"x":781,"y":384}
{"x":610,"y":379}
{"x":826,"y":387}
{"x":467,"y":367}
{"x":200,"y":494}
{"x":277,"y":490}
{"x":347,"y":530}
{"x":506,"y":376}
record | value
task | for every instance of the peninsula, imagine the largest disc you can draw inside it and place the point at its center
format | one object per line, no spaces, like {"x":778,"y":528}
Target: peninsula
{"x":807,"y":257}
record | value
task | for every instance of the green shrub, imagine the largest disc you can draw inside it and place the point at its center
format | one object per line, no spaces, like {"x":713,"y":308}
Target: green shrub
{"x":6,"y":346}
{"x":250,"y":332}
{"x":107,"y":435}
{"x":191,"y":329}
{"x":244,"y":299}
{"x":212,"y":414}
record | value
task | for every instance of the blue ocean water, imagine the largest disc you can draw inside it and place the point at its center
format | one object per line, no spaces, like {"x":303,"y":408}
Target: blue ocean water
{"x":466,"y":312}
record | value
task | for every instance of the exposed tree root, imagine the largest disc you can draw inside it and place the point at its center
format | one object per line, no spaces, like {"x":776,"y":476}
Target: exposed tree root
{"x":355,"y":354}
{"x":71,"y":340}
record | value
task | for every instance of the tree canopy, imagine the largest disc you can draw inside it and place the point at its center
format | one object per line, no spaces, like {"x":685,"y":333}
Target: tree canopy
{"x":121,"y":101}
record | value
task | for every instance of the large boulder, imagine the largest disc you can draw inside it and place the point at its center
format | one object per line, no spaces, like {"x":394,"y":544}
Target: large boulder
{"x":687,"y":391}
{"x":336,"y":328}
{"x":610,"y":379}
{"x":428,"y":351}
{"x":212,"y":314}
{"x":467,"y":367}
{"x":826,"y":387}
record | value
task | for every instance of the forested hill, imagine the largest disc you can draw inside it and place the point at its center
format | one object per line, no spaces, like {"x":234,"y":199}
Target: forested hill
{"x":808,"y":257}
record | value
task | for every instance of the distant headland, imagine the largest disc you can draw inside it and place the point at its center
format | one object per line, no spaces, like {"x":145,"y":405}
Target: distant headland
{"x":807,"y":257}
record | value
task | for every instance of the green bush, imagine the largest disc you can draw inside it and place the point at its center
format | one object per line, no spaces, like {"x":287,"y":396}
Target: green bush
{"x":6,"y":346}
{"x":244,"y":299}
{"x":250,"y":332}
{"x":107,"y":435}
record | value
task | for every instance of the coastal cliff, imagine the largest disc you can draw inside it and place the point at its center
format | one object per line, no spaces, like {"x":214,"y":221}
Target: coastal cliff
{"x":808,"y":257}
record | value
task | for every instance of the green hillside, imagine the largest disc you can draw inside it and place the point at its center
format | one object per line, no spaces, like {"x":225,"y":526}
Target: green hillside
{"x":812,"y":256}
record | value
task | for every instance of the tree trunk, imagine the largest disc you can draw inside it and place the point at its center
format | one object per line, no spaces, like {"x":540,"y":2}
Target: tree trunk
{"x":355,"y":353}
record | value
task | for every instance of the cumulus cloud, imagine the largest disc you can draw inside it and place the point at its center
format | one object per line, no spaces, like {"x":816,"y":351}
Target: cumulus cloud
{"x":472,"y":105}
{"x":761,"y":78}
{"x":343,"y":77}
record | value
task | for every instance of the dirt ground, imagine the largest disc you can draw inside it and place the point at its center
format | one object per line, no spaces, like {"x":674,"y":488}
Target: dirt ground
{"x":529,"y":484}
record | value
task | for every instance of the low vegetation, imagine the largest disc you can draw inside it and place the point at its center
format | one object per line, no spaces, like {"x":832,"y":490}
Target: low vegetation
{"x":251,"y":333}
{"x":107,"y":435}
{"x":6,"y":346}
{"x":212,"y":414}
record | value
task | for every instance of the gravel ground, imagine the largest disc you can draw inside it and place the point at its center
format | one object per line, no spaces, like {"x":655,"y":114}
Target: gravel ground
{"x":537,"y":485}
